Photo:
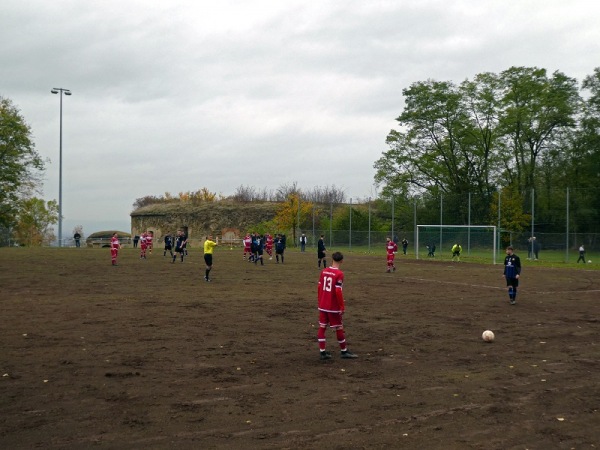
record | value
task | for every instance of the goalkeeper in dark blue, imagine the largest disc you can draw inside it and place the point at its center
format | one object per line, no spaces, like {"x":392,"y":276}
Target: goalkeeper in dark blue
{"x":512,"y":273}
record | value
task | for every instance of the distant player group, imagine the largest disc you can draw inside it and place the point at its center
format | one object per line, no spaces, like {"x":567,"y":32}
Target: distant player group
{"x":255,"y":245}
{"x":330,"y":298}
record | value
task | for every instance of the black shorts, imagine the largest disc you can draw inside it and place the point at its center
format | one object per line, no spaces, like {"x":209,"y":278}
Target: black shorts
{"x":208,"y":259}
{"x":514,"y":282}
{"x":168,"y":247}
{"x":320,"y":255}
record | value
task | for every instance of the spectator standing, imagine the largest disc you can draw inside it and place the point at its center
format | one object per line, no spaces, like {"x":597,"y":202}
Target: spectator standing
{"x":536,"y":249}
{"x":404,"y":245}
{"x":530,"y":248}
{"x":77,"y":238}
{"x":303,"y":242}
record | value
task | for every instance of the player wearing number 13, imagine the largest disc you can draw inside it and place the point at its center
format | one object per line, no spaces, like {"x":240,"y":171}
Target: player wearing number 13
{"x":331,"y":307}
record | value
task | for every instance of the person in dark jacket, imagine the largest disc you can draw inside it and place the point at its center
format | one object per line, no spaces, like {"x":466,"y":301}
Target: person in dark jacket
{"x":512,"y":273}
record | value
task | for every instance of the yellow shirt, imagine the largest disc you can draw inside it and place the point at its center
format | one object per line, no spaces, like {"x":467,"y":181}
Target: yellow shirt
{"x":208,"y":246}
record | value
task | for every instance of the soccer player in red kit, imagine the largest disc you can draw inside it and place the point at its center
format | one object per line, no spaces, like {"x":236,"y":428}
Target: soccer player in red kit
{"x":149,"y":240}
{"x":331,"y":307}
{"x":143,"y":244}
{"x":391,"y":248}
{"x":115,"y":246}
{"x":247,"y":243}
{"x":269,"y":245}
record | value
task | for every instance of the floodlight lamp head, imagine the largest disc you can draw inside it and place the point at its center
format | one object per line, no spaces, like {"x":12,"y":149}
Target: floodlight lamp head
{"x":67,"y":92}
{"x":54,"y":91}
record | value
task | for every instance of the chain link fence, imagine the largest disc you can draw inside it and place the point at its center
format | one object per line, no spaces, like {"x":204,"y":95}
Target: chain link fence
{"x":561,"y":223}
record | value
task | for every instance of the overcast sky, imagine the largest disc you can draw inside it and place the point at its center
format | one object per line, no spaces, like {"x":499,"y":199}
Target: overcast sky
{"x":177,"y":95}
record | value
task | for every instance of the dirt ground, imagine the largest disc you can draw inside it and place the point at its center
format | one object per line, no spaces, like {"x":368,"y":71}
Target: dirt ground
{"x":148,"y":355}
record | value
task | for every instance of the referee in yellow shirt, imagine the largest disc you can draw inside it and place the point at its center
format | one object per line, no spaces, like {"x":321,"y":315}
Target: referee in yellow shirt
{"x":209,"y":245}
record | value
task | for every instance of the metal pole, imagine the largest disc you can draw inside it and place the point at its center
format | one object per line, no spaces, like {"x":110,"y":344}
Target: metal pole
{"x":313,"y":214}
{"x":60,"y":91}
{"x":369,"y":223}
{"x":532,"y":212}
{"x":441,"y":221}
{"x":60,"y":215}
{"x":330,"y":223}
{"x":567,"y":244}
{"x":350,"y":231}
{"x":415,"y":231}
{"x":499,"y":216}
{"x":393,"y":204}
{"x":469,"y":229}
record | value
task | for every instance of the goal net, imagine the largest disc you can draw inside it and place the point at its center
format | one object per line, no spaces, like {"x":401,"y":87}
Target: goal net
{"x":475,"y":240}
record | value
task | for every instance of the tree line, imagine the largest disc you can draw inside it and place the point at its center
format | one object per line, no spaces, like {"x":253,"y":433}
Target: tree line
{"x":522,"y":134}
{"x":23,"y":216}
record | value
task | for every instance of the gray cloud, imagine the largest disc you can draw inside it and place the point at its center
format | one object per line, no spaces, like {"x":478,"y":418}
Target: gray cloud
{"x":175,"y":96}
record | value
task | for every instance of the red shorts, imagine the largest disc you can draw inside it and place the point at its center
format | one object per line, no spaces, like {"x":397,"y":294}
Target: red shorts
{"x":333,"y":319}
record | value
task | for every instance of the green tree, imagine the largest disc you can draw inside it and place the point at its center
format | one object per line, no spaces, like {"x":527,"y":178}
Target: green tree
{"x":20,"y":164}
{"x":536,"y":111}
{"x":445,"y":143}
{"x":496,"y":130}
{"x":34,"y":221}
{"x":583,"y":161}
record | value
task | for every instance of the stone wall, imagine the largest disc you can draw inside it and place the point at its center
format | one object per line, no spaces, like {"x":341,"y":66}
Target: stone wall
{"x":221,"y":219}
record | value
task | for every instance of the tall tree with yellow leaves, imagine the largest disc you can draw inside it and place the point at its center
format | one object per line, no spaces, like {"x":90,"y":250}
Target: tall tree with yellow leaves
{"x":291,"y":212}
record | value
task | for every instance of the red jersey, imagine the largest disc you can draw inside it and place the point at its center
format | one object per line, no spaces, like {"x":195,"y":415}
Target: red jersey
{"x":269,"y":241}
{"x":330,"y":290}
{"x":144,"y":240}
{"x":247,"y":242}
{"x":114,"y":242}
{"x":149,"y":240}
{"x":391,"y":247}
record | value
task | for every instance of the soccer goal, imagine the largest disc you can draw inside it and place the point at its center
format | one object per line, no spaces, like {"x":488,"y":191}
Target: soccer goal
{"x":477,"y":240}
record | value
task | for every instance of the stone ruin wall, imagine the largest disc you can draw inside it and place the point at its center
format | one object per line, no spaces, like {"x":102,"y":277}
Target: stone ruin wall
{"x":229,"y":223}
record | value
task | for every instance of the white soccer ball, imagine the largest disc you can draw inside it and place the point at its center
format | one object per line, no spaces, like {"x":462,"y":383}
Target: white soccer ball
{"x":488,"y":336}
{"x":589,"y":261}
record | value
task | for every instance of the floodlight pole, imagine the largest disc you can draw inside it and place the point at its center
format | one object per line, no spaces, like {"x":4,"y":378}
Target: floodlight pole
{"x":66,"y":92}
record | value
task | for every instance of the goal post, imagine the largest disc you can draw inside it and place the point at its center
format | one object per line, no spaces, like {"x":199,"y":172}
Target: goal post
{"x":474,"y":239}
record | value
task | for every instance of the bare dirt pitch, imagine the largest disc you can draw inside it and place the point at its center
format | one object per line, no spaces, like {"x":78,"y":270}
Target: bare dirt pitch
{"x":148,"y":355}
